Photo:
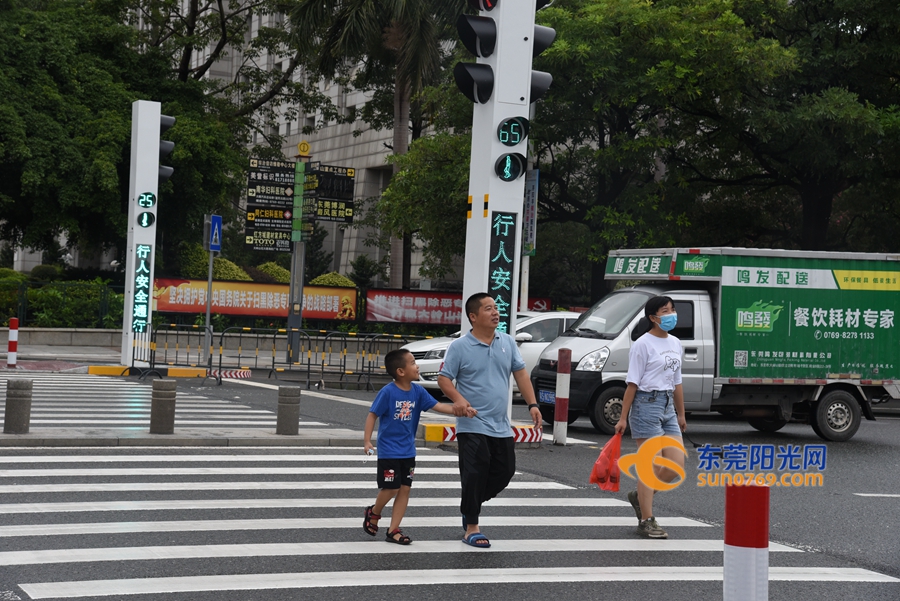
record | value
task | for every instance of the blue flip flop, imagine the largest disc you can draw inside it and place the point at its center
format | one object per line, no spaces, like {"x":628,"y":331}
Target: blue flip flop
{"x":473,"y":540}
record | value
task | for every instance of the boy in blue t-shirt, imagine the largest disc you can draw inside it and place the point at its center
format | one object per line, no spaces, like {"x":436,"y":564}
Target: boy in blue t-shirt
{"x":397,"y":408}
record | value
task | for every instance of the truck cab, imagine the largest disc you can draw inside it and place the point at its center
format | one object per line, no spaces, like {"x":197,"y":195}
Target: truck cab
{"x":601,"y":340}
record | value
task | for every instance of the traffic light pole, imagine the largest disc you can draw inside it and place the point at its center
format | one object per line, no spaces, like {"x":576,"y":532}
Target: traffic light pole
{"x":501,"y":85}
{"x":147,"y":123}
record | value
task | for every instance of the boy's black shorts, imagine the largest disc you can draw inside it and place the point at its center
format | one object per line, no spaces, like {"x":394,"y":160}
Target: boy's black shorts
{"x":392,"y":473}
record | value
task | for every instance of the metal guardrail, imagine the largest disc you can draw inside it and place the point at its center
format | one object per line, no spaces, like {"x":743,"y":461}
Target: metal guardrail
{"x":315,"y":356}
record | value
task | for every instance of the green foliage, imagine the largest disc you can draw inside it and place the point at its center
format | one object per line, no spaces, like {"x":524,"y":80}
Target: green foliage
{"x":426,"y":197}
{"x":7,"y":274}
{"x":365,"y":270}
{"x":194,"y":265}
{"x":75,"y":305}
{"x":44,"y":273}
{"x":317,"y":260}
{"x":223,"y":269}
{"x":193,"y":262}
{"x":333,"y":279}
{"x":276,"y":271}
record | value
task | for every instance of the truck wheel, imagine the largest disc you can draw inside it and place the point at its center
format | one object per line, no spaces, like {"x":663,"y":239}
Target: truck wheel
{"x":767,"y":424}
{"x":836,"y":416}
{"x":548,"y":415}
{"x":607,"y":409}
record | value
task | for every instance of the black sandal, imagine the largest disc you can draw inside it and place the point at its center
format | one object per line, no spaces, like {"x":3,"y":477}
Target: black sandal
{"x":403,"y":540}
{"x":370,"y":527}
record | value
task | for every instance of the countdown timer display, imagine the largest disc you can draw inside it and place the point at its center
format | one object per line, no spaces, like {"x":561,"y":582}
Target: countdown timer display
{"x":512,"y":131}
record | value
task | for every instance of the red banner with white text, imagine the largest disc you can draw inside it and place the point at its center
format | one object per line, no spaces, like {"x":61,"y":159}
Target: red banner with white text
{"x":424,"y":307}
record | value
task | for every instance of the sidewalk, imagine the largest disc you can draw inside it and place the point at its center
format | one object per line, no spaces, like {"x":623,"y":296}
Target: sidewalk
{"x":36,"y":359}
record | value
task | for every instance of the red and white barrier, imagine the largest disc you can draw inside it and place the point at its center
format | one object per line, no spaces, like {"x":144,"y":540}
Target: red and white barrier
{"x":746,"y":567}
{"x":520,"y":434}
{"x":561,"y":411}
{"x":13,"y":342}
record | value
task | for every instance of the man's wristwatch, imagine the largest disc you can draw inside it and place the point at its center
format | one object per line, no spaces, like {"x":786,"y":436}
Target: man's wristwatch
{"x":532,"y":406}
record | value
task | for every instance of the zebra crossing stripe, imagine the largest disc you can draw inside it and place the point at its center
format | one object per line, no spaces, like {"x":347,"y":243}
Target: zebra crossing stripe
{"x":111,"y":528}
{"x":202,"y":504}
{"x":465,"y":576}
{"x":294,"y":458}
{"x":41,"y":557}
{"x":214,"y":471}
{"x":108,"y":487}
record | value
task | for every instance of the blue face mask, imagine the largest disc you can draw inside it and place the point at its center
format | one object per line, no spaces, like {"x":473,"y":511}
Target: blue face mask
{"x":668,"y":322}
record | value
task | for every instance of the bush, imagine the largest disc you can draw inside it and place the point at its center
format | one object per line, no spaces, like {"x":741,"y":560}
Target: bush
{"x":45,"y":273}
{"x":75,"y":305}
{"x":259,"y":275}
{"x":276,"y":271}
{"x":11,"y":275}
{"x":193,"y":262}
{"x":223,"y":269}
{"x":333,"y":279}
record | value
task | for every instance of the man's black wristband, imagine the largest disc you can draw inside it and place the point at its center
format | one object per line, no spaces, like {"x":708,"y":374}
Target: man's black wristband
{"x":532,"y":406}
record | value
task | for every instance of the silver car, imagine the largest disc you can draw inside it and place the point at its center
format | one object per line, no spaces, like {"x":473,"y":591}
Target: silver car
{"x":534,"y":332}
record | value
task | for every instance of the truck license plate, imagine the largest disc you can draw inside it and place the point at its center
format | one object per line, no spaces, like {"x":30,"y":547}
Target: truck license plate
{"x":547,"y":396}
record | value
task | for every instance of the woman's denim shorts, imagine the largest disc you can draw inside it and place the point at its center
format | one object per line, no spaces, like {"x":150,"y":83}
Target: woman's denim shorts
{"x":653,"y":414}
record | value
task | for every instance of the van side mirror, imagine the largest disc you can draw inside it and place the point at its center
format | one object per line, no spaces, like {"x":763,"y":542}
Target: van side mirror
{"x":524,"y":337}
{"x":642,"y":327}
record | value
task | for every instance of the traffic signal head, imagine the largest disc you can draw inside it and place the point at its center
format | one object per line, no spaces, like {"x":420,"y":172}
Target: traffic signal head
{"x":509,"y":167}
{"x":478,"y":34}
{"x":475,"y":81}
{"x":165,"y":147}
{"x":485,"y":5}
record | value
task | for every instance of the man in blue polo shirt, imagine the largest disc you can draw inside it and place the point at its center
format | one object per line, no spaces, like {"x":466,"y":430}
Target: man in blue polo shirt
{"x":481,"y":362}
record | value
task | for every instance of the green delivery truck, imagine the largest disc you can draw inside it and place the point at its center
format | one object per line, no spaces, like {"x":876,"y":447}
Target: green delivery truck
{"x":771,"y":336}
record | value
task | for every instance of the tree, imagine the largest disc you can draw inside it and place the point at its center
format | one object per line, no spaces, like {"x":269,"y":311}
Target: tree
{"x":822,"y":130}
{"x":600,"y":134}
{"x":365,"y":270}
{"x":70,"y":71}
{"x":317,"y":260}
{"x":402,"y":38}
{"x":427,"y":198}
{"x":64,"y":121}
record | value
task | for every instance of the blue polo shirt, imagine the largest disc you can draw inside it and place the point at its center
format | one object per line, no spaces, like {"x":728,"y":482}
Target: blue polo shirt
{"x":482,"y":375}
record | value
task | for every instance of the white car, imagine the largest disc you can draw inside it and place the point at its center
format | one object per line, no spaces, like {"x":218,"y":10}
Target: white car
{"x":534,"y":332}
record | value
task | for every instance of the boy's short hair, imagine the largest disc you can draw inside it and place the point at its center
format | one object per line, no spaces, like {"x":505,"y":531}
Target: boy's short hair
{"x":473,"y":303}
{"x":394,"y":360}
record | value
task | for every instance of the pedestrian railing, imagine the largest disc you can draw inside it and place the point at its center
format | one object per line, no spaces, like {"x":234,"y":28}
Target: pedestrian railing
{"x":309,"y":357}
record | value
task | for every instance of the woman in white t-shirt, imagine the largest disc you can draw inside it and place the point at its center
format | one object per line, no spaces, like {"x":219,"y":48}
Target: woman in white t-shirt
{"x":653,"y":404}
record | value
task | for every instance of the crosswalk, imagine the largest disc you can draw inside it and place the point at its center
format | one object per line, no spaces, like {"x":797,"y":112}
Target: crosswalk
{"x":249,"y":523}
{"x":62,"y":400}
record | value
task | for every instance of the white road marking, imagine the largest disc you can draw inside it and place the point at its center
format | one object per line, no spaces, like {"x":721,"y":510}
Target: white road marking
{"x":873,"y":494}
{"x":290,"y":485}
{"x":466,"y":576}
{"x":205,"y":504}
{"x":360,"y":458}
{"x":110,"y":528}
{"x":213,"y":471}
{"x":542,"y":546}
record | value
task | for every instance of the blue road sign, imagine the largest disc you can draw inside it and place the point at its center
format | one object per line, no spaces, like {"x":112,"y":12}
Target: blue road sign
{"x":215,"y":233}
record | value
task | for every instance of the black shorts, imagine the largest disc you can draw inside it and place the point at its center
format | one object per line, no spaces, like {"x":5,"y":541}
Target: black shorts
{"x":392,"y":473}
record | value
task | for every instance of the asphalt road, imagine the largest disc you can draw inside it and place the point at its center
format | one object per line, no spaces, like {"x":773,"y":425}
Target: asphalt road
{"x":833,"y":520}
{"x":245,"y":517}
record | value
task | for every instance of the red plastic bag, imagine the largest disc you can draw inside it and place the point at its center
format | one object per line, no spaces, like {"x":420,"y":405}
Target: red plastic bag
{"x":606,"y":469}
